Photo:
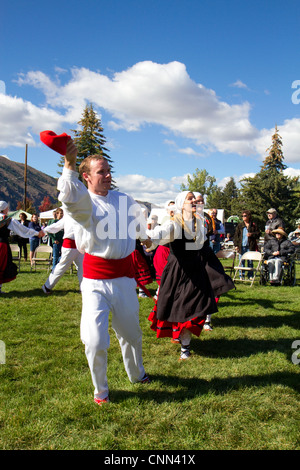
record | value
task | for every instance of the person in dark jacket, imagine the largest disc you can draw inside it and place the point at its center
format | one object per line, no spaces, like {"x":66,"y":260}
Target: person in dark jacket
{"x":245,"y":237}
{"x":22,"y":242}
{"x":276,"y":252}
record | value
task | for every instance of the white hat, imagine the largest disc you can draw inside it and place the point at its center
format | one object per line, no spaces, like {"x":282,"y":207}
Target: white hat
{"x":3,"y":206}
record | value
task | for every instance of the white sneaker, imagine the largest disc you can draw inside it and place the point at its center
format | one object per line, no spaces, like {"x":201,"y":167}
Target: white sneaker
{"x":185,"y":353}
{"x":207,"y":327}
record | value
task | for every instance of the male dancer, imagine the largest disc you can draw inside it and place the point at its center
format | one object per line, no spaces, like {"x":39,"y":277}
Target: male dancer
{"x":105,"y":230}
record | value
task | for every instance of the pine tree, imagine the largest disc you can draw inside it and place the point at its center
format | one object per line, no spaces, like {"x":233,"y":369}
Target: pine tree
{"x":90,"y":139}
{"x":229,"y":197}
{"x":274,"y":160}
{"x":271,"y":188}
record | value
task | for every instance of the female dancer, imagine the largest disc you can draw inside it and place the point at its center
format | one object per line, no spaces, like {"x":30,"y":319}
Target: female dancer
{"x":185,"y":296}
{"x":8,"y":270}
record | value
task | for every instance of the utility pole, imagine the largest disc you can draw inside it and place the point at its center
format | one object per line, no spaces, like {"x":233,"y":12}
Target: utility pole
{"x":25,"y":178}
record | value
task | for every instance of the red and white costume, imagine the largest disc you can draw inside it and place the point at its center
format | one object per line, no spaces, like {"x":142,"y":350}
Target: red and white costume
{"x":105,"y":230}
{"x":69,"y":252}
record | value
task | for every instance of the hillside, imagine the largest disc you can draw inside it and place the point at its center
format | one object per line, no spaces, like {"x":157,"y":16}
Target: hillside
{"x":39,"y":184}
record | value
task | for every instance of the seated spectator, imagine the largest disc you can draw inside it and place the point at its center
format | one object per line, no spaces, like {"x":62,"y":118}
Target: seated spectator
{"x":276,"y":252}
{"x":295,"y":238}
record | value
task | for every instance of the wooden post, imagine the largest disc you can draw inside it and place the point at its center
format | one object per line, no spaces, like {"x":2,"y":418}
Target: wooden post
{"x":25,"y":178}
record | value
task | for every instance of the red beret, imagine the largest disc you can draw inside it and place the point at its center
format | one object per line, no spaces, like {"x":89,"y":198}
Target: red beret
{"x":55,"y":142}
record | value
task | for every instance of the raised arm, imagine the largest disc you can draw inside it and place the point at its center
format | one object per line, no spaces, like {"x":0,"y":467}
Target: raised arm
{"x":72,"y":192}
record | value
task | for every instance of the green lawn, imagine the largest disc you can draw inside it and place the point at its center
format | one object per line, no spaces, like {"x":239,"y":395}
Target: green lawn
{"x":240,"y":389}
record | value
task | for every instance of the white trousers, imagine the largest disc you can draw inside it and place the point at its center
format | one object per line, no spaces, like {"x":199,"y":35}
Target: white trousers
{"x":274,"y":268}
{"x":68,"y":256}
{"x":99,"y":298}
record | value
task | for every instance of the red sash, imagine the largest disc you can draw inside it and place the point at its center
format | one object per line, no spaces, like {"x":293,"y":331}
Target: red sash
{"x":95,"y":267}
{"x":69,"y":243}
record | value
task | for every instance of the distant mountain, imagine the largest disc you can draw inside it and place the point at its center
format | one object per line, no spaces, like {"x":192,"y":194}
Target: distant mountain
{"x":39,"y":184}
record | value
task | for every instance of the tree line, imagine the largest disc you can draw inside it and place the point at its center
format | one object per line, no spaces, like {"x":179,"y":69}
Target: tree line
{"x":270,"y":187}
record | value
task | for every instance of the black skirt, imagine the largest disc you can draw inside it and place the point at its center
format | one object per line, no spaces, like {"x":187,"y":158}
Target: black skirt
{"x":220,"y":281}
{"x":185,"y":290}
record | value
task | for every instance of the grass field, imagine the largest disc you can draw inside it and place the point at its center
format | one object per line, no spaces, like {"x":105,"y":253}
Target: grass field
{"x":240,"y":389}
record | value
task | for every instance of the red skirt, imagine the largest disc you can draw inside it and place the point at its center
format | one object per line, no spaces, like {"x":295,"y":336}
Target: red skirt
{"x":142,"y":271}
{"x":5,"y":261}
{"x":164,"y":328}
{"x":160,"y":260}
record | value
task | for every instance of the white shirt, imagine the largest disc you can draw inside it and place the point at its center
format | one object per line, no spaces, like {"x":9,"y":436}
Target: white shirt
{"x":66,"y":224}
{"x":21,"y":229}
{"x":105,"y":226}
{"x":170,"y":231}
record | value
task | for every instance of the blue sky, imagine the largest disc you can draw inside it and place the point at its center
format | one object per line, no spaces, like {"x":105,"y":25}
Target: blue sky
{"x":177,"y":85}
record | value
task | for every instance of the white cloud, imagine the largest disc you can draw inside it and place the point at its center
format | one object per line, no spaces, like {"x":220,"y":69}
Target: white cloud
{"x":189,"y":151}
{"x":292,"y":172}
{"x":290,"y":133}
{"x":145,"y":94}
{"x":151,"y":93}
{"x":239,"y":84}
{"x":153,"y":190}
{"x":20,"y":119}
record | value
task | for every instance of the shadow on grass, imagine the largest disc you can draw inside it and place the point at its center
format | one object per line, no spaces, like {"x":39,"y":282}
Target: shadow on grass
{"x":189,"y":388}
{"x":245,"y":321}
{"x":38,"y":292}
{"x":253,"y":301}
{"x":243,"y":347}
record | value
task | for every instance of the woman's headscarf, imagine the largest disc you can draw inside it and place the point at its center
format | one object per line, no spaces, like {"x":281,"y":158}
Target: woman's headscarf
{"x":3,"y":206}
{"x":179,"y":200}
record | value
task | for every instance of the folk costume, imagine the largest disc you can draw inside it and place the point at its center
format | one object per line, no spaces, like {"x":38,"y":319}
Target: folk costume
{"x":69,"y":253}
{"x":105,"y":231}
{"x":8,"y":269}
{"x":185,"y":296}
{"x":143,"y":274}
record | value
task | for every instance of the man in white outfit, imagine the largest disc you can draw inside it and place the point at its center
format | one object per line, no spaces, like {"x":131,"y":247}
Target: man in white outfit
{"x":106,"y":225}
{"x":69,"y":253}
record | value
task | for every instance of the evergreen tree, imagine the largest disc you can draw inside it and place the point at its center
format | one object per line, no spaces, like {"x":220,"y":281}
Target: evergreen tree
{"x":90,"y":139}
{"x":274,"y":160}
{"x":229,"y":198}
{"x":271,"y":188}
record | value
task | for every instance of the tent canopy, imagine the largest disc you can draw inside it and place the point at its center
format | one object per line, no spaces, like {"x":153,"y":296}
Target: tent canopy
{"x":16,"y":214}
{"x":47,"y":214}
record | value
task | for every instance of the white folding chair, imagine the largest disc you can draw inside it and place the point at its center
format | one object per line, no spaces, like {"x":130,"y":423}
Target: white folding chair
{"x":16,"y":254}
{"x":42,"y":256}
{"x":254,"y":256}
{"x":230,"y":255}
